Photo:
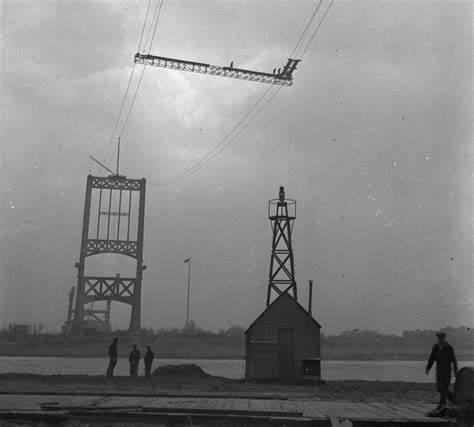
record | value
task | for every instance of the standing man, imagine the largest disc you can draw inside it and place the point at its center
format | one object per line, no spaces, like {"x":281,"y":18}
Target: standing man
{"x":443,"y":354}
{"x":149,"y":356}
{"x":112,"y":358}
{"x":134,"y":359}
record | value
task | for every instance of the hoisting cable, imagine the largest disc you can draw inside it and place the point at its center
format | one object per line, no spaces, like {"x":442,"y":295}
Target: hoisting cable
{"x":317,"y":29}
{"x":303,"y":34}
{"x":143,"y":70}
{"x":128,"y":86}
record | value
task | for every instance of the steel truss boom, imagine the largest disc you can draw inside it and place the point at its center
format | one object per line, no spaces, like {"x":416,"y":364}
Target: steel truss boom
{"x":282,"y":77}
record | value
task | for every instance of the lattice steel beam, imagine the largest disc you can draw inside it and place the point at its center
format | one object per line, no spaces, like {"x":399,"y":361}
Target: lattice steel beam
{"x":100,"y":246}
{"x":282,"y":77}
{"x":281,"y":278}
{"x":116,"y":182}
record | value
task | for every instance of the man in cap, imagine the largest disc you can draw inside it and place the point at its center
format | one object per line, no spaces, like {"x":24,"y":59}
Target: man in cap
{"x":149,"y":356}
{"x":134,"y":359}
{"x":443,"y":354}
{"x":112,"y":358}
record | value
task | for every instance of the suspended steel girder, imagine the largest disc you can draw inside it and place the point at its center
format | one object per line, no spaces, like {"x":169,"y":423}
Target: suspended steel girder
{"x":282,"y":77}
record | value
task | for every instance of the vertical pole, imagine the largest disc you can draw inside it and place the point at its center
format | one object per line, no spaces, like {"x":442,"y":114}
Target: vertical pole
{"x":80,"y":290}
{"x":118,"y":156}
{"x":129,"y":214}
{"x":272,"y":257}
{"x":119,"y":215}
{"x":70,"y":306}
{"x":189,"y":287}
{"x":98,"y":213}
{"x":108,"y":213}
{"x":107,"y":313}
{"x":135,"y":318}
{"x":289,"y":243}
{"x":310,"y":298}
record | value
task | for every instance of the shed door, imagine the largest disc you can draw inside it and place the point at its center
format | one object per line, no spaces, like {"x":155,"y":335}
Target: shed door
{"x":285,"y":353}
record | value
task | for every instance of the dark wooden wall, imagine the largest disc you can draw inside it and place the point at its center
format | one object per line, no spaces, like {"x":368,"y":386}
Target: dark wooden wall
{"x":262,"y":339}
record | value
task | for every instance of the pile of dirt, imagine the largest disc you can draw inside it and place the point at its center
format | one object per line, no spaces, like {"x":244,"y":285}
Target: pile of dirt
{"x":186,"y":370}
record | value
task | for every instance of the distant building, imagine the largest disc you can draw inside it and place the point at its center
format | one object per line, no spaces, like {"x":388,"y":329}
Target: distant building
{"x":19,"y":330}
{"x":284,"y":343}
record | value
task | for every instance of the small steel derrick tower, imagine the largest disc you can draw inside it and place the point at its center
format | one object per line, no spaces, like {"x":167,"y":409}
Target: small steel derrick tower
{"x":113,"y":223}
{"x":282,"y":214}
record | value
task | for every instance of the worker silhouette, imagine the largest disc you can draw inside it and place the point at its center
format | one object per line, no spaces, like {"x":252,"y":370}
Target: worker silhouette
{"x":149,"y":356}
{"x":232,"y":64}
{"x":112,"y":358}
{"x":134,"y":359}
{"x":443,"y":354}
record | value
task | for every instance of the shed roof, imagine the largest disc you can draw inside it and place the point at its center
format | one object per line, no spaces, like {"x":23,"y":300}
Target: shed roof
{"x":282,"y":297}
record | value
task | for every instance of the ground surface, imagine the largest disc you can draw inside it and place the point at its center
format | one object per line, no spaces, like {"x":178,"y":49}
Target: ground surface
{"x":205,"y":385}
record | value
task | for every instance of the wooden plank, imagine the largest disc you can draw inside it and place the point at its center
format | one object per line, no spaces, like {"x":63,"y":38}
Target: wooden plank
{"x":257,"y":405}
{"x":334,"y":410}
{"x":410,"y":413}
{"x":201,"y":403}
{"x":394,"y":414}
{"x":123,"y":402}
{"x":156,"y":402}
{"x":73,"y":402}
{"x":374,"y":413}
{"x":329,"y":409}
{"x":273,"y":406}
{"x":352,"y":410}
{"x":241,"y":405}
{"x":81,"y":400}
{"x":289,"y":406}
{"x":224,"y":403}
{"x":211,"y":404}
{"x":310,"y":409}
{"x":357,"y":411}
{"x":422,"y":408}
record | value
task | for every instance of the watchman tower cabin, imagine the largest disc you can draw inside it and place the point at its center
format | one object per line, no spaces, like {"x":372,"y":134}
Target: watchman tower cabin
{"x":284,"y":342}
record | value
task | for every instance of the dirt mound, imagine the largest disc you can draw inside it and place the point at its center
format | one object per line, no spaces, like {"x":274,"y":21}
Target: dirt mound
{"x":187,"y":370}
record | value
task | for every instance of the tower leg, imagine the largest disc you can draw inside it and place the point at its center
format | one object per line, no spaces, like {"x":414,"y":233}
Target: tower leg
{"x":77,"y":325}
{"x":135,"y":317}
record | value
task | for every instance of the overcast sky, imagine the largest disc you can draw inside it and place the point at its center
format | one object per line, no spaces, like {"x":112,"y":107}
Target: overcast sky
{"x":373,"y":140}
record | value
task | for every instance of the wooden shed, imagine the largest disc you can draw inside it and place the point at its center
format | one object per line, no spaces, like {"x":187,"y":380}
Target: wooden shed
{"x":284,"y":343}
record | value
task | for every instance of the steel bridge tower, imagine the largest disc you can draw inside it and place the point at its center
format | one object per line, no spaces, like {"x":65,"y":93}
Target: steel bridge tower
{"x":282,"y":214}
{"x":113,"y":223}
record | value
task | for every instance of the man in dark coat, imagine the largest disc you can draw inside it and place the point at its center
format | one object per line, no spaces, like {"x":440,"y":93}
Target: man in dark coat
{"x":112,"y":358}
{"x":443,"y":354}
{"x":149,"y":356}
{"x":134,"y":359}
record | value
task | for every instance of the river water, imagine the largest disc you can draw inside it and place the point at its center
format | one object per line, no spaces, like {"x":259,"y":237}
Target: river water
{"x":379,"y":370}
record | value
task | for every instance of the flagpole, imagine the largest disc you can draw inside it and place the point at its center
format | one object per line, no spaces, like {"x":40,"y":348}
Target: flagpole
{"x":189,"y":285}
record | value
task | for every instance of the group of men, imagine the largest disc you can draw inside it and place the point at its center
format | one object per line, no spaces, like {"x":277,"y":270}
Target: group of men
{"x":133,"y":359}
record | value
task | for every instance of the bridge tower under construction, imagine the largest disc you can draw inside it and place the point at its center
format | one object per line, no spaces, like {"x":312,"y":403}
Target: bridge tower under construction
{"x":113,"y":223}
